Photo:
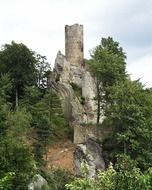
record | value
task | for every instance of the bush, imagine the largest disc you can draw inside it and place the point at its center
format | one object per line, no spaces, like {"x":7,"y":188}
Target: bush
{"x":77,"y":90}
{"x":125,"y":176}
{"x":57,"y":178}
{"x":17,"y":159}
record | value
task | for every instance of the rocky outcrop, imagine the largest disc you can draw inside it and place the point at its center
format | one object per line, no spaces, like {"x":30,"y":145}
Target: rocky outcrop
{"x":61,"y":68}
{"x":38,"y":183}
{"x":91,"y":153}
{"x":77,"y":88}
{"x":89,"y":93}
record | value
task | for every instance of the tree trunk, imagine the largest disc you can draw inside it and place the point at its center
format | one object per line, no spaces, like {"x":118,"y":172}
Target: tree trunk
{"x":125,"y":148}
{"x":16,"y":98}
{"x":98,"y":102}
{"x":46,"y":155}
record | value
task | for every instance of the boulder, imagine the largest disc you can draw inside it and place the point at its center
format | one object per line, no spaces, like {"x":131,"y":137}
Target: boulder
{"x":38,"y":183}
{"x":91,"y":153}
{"x":61,"y":68}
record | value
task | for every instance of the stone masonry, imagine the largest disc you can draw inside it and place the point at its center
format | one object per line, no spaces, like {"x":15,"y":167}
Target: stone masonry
{"x":74,"y":44}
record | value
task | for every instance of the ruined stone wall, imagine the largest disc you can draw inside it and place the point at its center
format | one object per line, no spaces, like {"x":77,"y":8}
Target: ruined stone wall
{"x":74,"y":44}
{"x":82,"y":133}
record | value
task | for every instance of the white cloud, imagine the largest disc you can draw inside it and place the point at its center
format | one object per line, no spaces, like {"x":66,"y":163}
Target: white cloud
{"x":40,"y":25}
{"x":141,"y":69}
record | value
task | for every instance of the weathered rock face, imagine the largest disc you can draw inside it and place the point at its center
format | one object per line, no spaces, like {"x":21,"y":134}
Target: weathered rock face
{"x":38,"y":183}
{"x":77,"y":88}
{"x":74,"y":83}
{"x":81,"y":134}
{"x":62,"y":68}
{"x":91,"y":152}
{"x":89,"y":93}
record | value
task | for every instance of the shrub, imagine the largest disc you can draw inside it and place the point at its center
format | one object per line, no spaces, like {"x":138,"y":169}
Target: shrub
{"x":57,"y":178}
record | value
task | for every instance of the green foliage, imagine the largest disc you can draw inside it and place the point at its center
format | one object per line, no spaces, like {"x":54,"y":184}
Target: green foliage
{"x":48,"y":121}
{"x":126,"y":105}
{"x":31,"y":96}
{"x":108,"y":62}
{"x":6,"y":181}
{"x":46,"y":118}
{"x":128,"y":175}
{"x":25,"y":67}
{"x":57,"y":178}
{"x":16,"y":161}
{"x":19,"y":62}
{"x":42,"y":67}
{"x":107,"y":179}
{"x":83,"y":183}
{"x":23,"y":79}
{"x":125,"y":176}
{"x":107,"y":65}
{"x":77,"y":90}
{"x":18,"y":123}
{"x":16,"y":158}
{"x":5,"y":88}
{"x":147,"y":179}
{"x":130,"y":113}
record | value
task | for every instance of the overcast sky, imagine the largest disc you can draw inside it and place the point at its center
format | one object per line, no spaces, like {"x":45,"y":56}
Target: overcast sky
{"x":39,"y":24}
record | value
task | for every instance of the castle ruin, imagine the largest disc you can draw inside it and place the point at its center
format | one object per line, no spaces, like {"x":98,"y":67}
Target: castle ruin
{"x":77,"y":89}
{"x":74,"y":44}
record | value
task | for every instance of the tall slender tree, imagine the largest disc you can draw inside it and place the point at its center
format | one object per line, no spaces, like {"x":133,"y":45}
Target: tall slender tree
{"x":24,"y":66}
{"x":108,"y":67}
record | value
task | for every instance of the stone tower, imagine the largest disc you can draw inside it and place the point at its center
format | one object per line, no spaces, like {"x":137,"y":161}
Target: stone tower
{"x":74,"y":44}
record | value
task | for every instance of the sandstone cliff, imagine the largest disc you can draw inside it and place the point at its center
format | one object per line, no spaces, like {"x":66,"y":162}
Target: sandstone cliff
{"x":77,"y":89}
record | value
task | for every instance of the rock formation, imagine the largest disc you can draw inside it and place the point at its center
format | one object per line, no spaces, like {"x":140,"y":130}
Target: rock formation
{"x":38,"y":183}
{"x":91,"y":152}
{"x":77,"y":88}
{"x":74,"y":83}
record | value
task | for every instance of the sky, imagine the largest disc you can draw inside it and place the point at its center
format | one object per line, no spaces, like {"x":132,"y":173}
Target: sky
{"x":39,"y":24}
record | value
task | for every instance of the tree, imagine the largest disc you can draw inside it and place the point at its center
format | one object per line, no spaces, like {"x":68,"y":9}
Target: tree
{"x":5,"y":91}
{"x":42,"y":67}
{"x":6,"y":181}
{"x":108,"y":67}
{"x":126,"y":105}
{"x":24,"y":66}
{"x":124,"y":176}
{"x":5,"y":88}
{"x":130,"y":114}
{"x":48,"y":121}
{"x":128,"y":176}
{"x":17,"y":159}
{"x":15,"y":154}
{"x":47,"y":118}
{"x":19,"y":62}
